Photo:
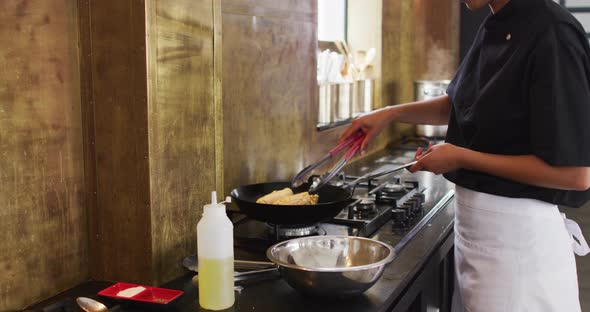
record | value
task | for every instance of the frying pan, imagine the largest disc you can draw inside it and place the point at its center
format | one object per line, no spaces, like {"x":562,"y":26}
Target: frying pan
{"x":332,"y":200}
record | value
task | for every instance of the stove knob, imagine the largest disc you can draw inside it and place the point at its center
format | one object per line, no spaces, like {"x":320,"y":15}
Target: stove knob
{"x":406,"y":206}
{"x":421,"y":198}
{"x":419,"y":204}
{"x":411,"y":206}
{"x":378,"y":196}
{"x":399,"y":217}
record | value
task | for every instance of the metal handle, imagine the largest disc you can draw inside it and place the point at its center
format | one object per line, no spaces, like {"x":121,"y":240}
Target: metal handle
{"x":380,"y":174}
{"x":191,"y":263}
{"x":255,"y":272}
{"x":300,"y":177}
{"x":350,"y":141}
{"x":319,"y":182}
{"x":257,"y":276}
{"x":247,"y":264}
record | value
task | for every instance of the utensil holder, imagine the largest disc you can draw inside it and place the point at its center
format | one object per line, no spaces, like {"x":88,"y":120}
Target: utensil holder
{"x":363,"y":96}
{"x":339,"y":102}
{"x":328,"y":97}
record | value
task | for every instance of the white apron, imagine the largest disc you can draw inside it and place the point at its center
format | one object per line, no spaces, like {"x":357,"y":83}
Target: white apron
{"x":513,"y":255}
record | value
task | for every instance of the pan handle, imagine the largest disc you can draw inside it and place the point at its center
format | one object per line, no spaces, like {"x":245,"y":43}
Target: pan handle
{"x":380,"y":174}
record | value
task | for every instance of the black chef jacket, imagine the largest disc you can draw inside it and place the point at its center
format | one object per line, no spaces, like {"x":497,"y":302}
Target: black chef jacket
{"x":523,"y":89}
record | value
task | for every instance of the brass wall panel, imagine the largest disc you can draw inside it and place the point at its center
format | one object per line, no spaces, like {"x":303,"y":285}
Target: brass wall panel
{"x":269,"y":87}
{"x":292,"y":10}
{"x":397,"y":59}
{"x":42,"y":215}
{"x":436,"y":40}
{"x":181,"y":127}
{"x":398,"y":51}
{"x":417,"y":36}
{"x":120,"y":222}
{"x":218,"y":94}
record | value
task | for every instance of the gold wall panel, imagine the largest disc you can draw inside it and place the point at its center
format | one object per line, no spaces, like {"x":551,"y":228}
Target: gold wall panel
{"x":120,"y":219}
{"x":291,"y":10}
{"x":181,"y":127}
{"x":420,"y":41}
{"x":42,"y":215}
{"x":269,"y":87}
{"x":436,"y":39}
{"x":150,"y":127}
{"x":398,"y":50}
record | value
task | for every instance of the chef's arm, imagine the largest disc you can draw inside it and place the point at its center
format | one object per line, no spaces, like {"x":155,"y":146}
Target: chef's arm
{"x":434,"y":111}
{"x":528,"y":169}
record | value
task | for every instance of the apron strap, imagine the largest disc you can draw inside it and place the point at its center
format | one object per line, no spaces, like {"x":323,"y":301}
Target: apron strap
{"x":578,"y":241}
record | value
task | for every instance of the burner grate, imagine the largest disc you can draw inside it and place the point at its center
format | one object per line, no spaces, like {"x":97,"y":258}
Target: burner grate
{"x":283,"y":232}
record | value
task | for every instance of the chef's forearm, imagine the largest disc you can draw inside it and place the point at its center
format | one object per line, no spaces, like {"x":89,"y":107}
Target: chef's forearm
{"x":433,"y":111}
{"x":527,"y":169}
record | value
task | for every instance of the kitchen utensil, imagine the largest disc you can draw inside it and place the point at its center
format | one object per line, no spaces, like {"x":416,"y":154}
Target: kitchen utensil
{"x":350,"y":59}
{"x":427,"y":89}
{"x":191,"y":263}
{"x":332,"y":200}
{"x":328,"y":265}
{"x":322,"y":180}
{"x":363,"y":96}
{"x":365,"y":178}
{"x":301,"y":177}
{"x":91,"y":305}
{"x":368,"y":59}
{"x":345,"y":99}
{"x":331,"y":265}
{"x":341,"y":50}
{"x":143,"y":294}
{"x":328,"y":96}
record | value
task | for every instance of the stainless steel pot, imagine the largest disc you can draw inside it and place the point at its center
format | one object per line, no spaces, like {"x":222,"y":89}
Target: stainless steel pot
{"x":331,"y":265}
{"x":427,"y":89}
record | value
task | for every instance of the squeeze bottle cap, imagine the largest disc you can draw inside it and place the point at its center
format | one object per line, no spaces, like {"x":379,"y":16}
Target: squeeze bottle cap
{"x":213,"y":198}
{"x":214,"y":204}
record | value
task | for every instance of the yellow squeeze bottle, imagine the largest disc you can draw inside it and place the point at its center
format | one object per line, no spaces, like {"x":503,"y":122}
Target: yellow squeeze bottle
{"x":215,"y":252}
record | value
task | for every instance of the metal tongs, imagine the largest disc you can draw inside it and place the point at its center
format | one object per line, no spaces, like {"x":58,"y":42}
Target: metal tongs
{"x":319,"y":183}
{"x":354,"y":142}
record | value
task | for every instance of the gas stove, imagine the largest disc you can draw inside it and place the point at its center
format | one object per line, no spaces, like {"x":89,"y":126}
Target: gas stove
{"x":396,"y":206}
{"x":374,"y":203}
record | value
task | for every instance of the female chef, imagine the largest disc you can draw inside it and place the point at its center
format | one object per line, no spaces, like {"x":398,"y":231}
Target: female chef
{"x":517,"y":145}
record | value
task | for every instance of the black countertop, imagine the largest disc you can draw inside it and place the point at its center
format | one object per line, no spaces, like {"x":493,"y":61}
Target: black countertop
{"x":277,"y":295}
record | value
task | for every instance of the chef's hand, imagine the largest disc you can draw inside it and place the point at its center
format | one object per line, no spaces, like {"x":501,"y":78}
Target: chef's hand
{"x":438,"y":159}
{"x":371,"y":124}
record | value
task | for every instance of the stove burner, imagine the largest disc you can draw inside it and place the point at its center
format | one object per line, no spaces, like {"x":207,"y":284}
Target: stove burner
{"x":393,"y":188}
{"x":293,"y":231}
{"x":366,"y":204}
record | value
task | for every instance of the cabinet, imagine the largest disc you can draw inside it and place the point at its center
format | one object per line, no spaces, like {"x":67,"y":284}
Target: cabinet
{"x":432,"y":289}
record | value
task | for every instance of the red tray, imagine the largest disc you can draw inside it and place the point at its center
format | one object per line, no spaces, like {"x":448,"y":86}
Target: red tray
{"x":150,"y":294}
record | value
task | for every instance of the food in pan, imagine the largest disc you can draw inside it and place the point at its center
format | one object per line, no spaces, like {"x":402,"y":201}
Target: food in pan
{"x":303,"y":198}
{"x":286,"y":197}
{"x":274,"y":196}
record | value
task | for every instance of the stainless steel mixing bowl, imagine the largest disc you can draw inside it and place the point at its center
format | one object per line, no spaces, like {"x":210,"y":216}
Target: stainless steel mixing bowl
{"x":331,"y":265}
